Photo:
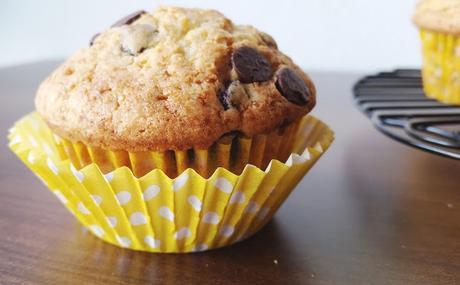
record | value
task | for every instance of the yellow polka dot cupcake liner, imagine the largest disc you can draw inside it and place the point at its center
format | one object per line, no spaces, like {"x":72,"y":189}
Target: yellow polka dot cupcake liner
{"x":441,"y":66}
{"x":156,"y":213}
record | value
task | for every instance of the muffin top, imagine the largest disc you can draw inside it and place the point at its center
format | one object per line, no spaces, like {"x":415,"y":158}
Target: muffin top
{"x":173,"y":79}
{"x":438,"y":15}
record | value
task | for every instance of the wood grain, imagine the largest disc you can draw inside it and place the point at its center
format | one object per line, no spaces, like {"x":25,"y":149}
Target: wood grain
{"x":372,"y":211}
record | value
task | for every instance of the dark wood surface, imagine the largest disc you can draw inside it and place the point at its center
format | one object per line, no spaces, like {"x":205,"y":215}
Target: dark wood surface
{"x":372,"y":211}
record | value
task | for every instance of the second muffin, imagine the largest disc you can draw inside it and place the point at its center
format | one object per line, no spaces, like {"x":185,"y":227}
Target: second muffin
{"x":439,"y":25}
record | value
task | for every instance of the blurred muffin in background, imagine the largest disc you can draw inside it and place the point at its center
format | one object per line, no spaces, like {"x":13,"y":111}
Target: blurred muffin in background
{"x":439,"y":24}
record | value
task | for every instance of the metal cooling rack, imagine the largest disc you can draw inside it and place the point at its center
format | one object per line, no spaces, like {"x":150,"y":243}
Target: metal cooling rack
{"x":397,"y":106}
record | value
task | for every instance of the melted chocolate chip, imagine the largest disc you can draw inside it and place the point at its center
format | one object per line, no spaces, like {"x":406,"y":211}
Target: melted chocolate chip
{"x":129,"y":18}
{"x":292,"y":87}
{"x":250,"y":65}
{"x":93,"y":38}
{"x":234,"y":95}
{"x":223,"y":98}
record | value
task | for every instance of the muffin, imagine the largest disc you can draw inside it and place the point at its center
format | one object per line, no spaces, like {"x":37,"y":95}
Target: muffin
{"x":173,"y":131}
{"x":439,"y":24}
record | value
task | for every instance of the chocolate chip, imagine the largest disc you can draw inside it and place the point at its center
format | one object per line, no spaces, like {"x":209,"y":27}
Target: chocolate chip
{"x":129,"y":19}
{"x":136,"y":38}
{"x":250,"y":65}
{"x":223,"y":98}
{"x":93,"y":38}
{"x":292,"y":87}
{"x":234,"y":96}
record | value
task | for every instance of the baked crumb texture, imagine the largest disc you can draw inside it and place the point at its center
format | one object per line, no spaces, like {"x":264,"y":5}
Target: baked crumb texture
{"x":174,"y":79}
{"x":438,"y":15}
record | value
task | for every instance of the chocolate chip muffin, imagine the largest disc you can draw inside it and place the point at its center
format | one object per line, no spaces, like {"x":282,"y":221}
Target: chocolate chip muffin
{"x":173,"y":131}
{"x":173,"y":89}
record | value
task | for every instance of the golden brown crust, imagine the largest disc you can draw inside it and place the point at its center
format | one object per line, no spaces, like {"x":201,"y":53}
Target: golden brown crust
{"x":438,"y":15}
{"x":154,"y":85}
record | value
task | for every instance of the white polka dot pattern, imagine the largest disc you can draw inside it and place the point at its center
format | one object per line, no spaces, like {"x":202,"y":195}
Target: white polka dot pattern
{"x":211,"y":218}
{"x":137,"y":218}
{"x":200,"y":247}
{"x":61,"y":197}
{"x":82,"y":208}
{"x":16,"y":140}
{"x":180,"y":181}
{"x":96,"y":199}
{"x":123,"y":197}
{"x":33,"y":141}
{"x":78,"y":174}
{"x":123,"y":241}
{"x":151,"y":192}
{"x":237,"y":197}
{"x":31,"y":158}
{"x":195,"y":202}
{"x":166,"y":213}
{"x":112,"y":221}
{"x":108,"y":177}
{"x":223,"y":185}
{"x":52,"y":166}
{"x":226,"y":230}
{"x":252,"y":207}
{"x":46,"y":147}
{"x":182,"y":233}
{"x":151,"y":242}
{"x":97,"y":230}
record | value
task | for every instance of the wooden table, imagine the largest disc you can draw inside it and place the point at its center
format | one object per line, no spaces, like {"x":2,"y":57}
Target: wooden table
{"x":372,"y":211}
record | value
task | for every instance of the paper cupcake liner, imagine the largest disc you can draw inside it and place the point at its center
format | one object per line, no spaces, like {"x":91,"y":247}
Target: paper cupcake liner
{"x":158,"y":214}
{"x":232,"y":152}
{"x":441,"y":66}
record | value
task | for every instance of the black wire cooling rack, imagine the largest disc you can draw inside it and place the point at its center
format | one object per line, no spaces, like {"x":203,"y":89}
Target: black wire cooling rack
{"x":397,"y":106}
